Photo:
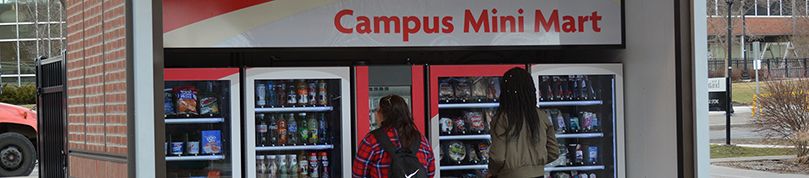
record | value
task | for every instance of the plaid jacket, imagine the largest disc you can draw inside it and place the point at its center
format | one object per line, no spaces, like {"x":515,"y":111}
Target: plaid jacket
{"x":373,"y":161}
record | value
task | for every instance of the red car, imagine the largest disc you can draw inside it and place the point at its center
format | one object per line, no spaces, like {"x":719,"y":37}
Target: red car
{"x":18,"y":134}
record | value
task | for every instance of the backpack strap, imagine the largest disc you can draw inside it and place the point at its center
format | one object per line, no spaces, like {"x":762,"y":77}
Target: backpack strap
{"x":384,"y":141}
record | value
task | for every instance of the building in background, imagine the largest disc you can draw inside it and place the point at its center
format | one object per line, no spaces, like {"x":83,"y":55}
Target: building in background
{"x":29,"y":29}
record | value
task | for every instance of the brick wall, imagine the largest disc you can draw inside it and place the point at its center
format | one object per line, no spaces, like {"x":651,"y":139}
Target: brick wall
{"x":96,"y":70}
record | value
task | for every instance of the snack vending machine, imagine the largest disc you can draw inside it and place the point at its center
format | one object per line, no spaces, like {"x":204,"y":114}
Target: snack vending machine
{"x":463,"y":99}
{"x":202,"y":121}
{"x":375,"y":82}
{"x":296,"y":122}
{"x":585,"y":104}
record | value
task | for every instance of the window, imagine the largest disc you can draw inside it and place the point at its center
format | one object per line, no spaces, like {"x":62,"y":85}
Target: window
{"x":8,"y":80}
{"x":28,"y":31}
{"x":8,"y":32}
{"x":8,"y":57}
{"x":28,"y":55}
{"x":7,"y":13}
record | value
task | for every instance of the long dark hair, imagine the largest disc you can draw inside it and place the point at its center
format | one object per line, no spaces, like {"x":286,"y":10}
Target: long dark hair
{"x":518,"y":103}
{"x":396,"y":114}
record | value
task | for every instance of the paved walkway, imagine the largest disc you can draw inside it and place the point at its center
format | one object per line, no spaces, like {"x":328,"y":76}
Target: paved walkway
{"x":728,"y":172}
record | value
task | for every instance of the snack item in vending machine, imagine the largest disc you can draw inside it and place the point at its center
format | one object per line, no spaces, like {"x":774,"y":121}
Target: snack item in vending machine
{"x":312,"y":93}
{"x":562,"y":160}
{"x":483,"y":149}
{"x":192,"y":147}
{"x":212,"y":142}
{"x":168,"y":103}
{"x":585,"y":121}
{"x":322,"y":93}
{"x":472,"y":153}
{"x":494,"y":89}
{"x":209,"y":106}
{"x":282,"y":130}
{"x":574,"y":124}
{"x":292,"y":95}
{"x":592,"y":155}
{"x":303,"y":92}
{"x":324,"y":158}
{"x":583,"y":175}
{"x":446,"y":125}
{"x":592,"y":175}
{"x":476,"y":123}
{"x":579,"y":154}
{"x":186,"y":100}
{"x":457,"y":152}
{"x":595,"y":122}
{"x":479,"y":87}
{"x":460,"y":125}
{"x":272,"y":99}
{"x":445,"y":90}
{"x":314,"y":165}
{"x":177,"y":148}
{"x":490,"y":114}
{"x":292,"y":130}
{"x":313,"y":130}
{"x":463,"y":89}
{"x":560,"y":123}
{"x":281,"y":93}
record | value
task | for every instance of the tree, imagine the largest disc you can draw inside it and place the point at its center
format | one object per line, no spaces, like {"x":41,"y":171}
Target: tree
{"x":785,"y":114}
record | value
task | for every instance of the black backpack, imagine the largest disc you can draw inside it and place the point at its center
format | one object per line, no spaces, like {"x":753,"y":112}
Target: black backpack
{"x":404,"y":162}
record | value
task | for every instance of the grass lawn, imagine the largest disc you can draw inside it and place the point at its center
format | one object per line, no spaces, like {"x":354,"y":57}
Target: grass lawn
{"x":743,"y":92}
{"x":723,"y":151}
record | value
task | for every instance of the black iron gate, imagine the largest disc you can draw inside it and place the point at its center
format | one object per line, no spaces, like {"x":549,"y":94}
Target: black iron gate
{"x":51,"y":120}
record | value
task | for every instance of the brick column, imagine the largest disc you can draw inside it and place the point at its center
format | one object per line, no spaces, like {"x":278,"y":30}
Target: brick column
{"x":96,"y":70}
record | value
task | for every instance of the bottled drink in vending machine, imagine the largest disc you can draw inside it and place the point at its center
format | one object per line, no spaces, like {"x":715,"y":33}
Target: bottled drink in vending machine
{"x":273,"y":130}
{"x":293,"y":166}
{"x":272,"y":100}
{"x":261,"y":94}
{"x":282,"y":130}
{"x":322,"y":93}
{"x":302,"y":91}
{"x":292,"y":129}
{"x":283,"y":166}
{"x":292,"y":96}
{"x":546,"y":85}
{"x":323,"y":129}
{"x":312,"y":92}
{"x":261,"y":168}
{"x":324,"y":157}
{"x":583,"y":88}
{"x":261,"y":130}
{"x":281,"y":93}
{"x":313,"y":130}
{"x":303,"y":128}
{"x":313,"y":165}
{"x":303,"y":163}
{"x":574,"y":89}
{"x":272,"y":167}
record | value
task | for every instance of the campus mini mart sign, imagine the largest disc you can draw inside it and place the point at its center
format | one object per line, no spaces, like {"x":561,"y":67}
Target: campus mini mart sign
{"x":391,"y":23}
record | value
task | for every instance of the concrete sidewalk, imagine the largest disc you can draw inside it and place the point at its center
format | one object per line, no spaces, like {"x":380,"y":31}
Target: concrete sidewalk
{"x":728,"y":172}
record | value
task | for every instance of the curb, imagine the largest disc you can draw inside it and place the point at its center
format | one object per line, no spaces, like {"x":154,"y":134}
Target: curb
{"x":756,"y":158}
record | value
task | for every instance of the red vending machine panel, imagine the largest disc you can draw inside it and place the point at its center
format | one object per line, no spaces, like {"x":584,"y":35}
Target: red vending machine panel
{"x":463,"y":98}
{"x":375,"y":82}
{"x":202,"y":121}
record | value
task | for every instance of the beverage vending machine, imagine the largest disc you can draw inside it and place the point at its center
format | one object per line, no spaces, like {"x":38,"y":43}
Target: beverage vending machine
{"x":585,"y":104}
{"x":202,"y":121}
{"x":463,"y":99}
{"x":375,"y":82}
{"x":296,"y":122}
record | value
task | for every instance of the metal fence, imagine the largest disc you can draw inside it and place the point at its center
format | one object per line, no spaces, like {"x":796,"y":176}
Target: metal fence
{"x":770,"y":68}
{"x":51,"y":113}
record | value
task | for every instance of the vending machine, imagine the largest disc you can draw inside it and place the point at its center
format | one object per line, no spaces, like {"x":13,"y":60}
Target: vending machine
{"x":375,"y":82}
{"x":202,"y":121}
{"x":585,"y":104}
{"x":463,"y":99}
{"x":296,"y":122}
